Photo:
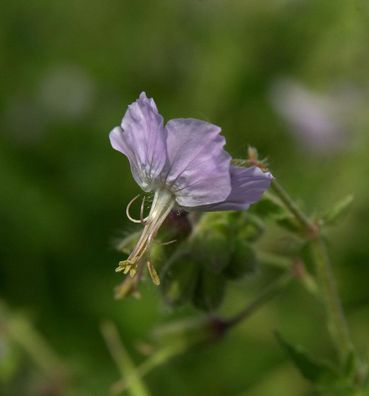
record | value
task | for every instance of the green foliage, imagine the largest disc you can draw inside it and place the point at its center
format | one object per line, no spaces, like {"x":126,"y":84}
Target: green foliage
{"x":70,"y":69}
{"x":338,"y":211}
{"x":329,"y":381}
{"x":135,"y":384}
{"x":312,"y":369}
{"x":220,"y":248}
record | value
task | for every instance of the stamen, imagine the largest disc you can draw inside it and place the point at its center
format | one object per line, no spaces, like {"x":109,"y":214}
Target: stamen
{"x":129,"y":286}
{"x":154,"y":275}
{"x":168,"y":243}
{"x":161,"y":207}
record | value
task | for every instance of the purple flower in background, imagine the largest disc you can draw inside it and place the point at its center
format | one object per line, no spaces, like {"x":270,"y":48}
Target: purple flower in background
{"x":185,"y":165}
{"x":319,"y":122}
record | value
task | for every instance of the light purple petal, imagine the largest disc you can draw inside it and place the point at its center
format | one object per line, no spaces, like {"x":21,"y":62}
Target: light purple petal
{"x":248,"y":185}
{"x":198,"y":167}
{"x":141,"y":138}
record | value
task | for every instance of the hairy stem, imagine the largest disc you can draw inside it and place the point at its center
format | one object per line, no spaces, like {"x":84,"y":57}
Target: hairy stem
{"x":293,"y":208}
{"x":337,"y":325}
{"x":336,"y":319}
{"x":122,"y":359}
{"x":266,"y":294}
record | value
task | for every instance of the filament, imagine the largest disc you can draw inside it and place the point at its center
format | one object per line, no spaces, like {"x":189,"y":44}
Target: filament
{"x":168,"y":243}
{"x":161,"y":207}
{"x":152,"y":271}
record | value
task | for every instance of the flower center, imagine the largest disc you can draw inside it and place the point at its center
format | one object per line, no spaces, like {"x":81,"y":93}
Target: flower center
{"x":162,"y":204}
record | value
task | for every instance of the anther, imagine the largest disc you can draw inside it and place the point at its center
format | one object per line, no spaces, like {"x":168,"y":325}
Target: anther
{"x":152,"y":271}
{"x":168,"y":243}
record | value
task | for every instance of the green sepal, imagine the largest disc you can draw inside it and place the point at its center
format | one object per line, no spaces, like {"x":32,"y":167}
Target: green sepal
{"x":268,"y":207}
{"x":176,"y":226}
{"x":212,"y":240}
{"x":209,"y":291}
{"x":212,"y":250}
{"x":243,"y":260}
{"x":179,"y":276}
{"x":242,"y":163}
{"x":250,"y":227}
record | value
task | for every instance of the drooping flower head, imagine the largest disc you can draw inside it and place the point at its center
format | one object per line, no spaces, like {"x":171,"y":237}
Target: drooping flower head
{"x":185,"y":165}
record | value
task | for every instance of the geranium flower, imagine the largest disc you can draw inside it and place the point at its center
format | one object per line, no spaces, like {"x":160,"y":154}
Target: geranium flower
{"x":185,"y":165}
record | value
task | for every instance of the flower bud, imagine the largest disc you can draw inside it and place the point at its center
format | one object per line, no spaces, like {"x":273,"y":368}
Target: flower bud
{"x":250,"y":228}
{"x":179,"y":276}
{"x":209,"y":291}
{"x":242,"y":262}
{"x":176,"y":226}
{"x":211,"y":242}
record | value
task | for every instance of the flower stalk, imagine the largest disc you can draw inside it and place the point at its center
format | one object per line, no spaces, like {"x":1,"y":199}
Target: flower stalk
{"x":300,"y":216}
{"x":337,"y":325}
{"x":268,"y":293}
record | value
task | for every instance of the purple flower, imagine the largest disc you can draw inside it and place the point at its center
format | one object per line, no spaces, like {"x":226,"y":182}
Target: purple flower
{"x":317,"y":121}
{"x":185,"y":165}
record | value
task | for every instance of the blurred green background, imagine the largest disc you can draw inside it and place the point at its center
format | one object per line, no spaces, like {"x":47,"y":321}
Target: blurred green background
{"x":290,"y":77}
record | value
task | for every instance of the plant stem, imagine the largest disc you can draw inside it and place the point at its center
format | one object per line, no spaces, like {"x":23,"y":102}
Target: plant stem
{"x":266,"y":294}
{"x":157,"y":359}
{"x":337,"y":325}
{"x":122,"y":359}
{"x":293,"y":208}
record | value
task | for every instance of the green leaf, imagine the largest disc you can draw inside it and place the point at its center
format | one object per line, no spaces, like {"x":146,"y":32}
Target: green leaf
{"x":338,"y":211}
{"x":313,"y":370}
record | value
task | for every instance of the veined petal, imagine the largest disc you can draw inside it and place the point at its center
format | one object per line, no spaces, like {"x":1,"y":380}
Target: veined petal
{"x":141,"y":138}
{"x":248,"y":185}
{"x":198,"y":167}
